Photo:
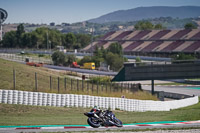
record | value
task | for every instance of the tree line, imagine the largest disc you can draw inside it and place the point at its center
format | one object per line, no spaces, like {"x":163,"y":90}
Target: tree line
{"x":146,"y":25}
{"x":112,"y":56}
{"x":43,"y":38}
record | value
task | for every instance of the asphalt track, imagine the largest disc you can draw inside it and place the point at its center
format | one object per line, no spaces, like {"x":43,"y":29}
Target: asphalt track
{"x":81,"y":70}
{"x":183,"y":89}
{"x":132,"y":126}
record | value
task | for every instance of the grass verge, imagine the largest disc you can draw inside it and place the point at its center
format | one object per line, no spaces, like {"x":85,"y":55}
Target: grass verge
{"x":39,"y":115}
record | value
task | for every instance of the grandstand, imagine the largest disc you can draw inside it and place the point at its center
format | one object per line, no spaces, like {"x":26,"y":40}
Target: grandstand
{"x":152,"y":42}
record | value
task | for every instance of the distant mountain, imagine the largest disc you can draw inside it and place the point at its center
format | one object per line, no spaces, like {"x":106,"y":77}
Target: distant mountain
{"x":149,"y":12}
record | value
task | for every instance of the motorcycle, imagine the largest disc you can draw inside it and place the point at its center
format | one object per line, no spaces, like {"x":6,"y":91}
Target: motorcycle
{"x":97,"y":118}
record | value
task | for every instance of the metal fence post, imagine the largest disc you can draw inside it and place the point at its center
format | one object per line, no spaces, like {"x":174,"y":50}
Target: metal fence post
{"x":121,"y":87}
{"x":50,"y":82}
{"x":87,"y":86}
{"x":82,"y":85}
{"x":110,"y":87}
{"x":36,"y":84}
{"x":106,"y":87}
{"x":58,"y":85}
{"x":92,"y":86}
{"x":71,"y":84}
{"x":14,"y":79}
{"x":77,"y":84}
{"x":65,"y":83}
{"x":97,"y":87}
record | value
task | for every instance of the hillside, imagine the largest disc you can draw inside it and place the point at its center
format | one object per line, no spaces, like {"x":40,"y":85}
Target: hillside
{"x":25,"y":80}
{"x":149,"y":12}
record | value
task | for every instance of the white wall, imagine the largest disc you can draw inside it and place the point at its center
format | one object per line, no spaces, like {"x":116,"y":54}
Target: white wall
{"x":69,"y":100}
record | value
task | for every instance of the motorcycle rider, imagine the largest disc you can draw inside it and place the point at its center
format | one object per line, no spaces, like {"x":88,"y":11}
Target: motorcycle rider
{"x":97,"y":112}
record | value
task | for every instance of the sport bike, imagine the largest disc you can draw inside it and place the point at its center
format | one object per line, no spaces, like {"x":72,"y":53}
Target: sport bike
{"x":97,"y":118}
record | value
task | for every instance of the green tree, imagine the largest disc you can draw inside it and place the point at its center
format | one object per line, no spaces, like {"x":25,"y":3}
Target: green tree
{"x":84,"y":60}
{"x":19,"y":35}
{"x":83,"y":40}
{"x":97,"y":60}
{"x":190,"y":26}
{"x":70,"y":59}
{"x":183,"y":56}
{"x":144,"y":25}
{"x":41,"y":34}
{"x":77,"y":46}
{"x":34,"y":40}
{"x":9,"y":40}
{"x":137,"y":60}
{"x":115,"y":48}
{"x":26,"y":40}
{"x":158,"y":27}
{"x":98,"y":52}
{"x":69,"y":40}
{"x":54,"y":38}
{"x":114,"y":60}
{"x":59,"y":58}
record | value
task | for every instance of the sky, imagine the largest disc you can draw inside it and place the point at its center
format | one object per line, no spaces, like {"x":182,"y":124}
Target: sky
{"x":71,"y":11}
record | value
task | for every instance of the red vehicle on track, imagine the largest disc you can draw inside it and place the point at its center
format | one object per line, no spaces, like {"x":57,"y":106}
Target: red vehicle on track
{"x":34,"y":64}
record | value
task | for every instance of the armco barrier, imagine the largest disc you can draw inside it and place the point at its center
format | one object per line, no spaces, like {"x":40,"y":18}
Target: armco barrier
{"x":72,"y":100}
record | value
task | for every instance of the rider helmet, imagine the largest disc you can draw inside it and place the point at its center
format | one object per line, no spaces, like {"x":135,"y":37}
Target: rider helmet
{"x":96,"y":107}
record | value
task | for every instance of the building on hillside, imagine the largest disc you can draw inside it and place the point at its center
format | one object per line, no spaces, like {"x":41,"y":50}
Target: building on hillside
{"x":52,"y":24}
{"x":152,"y":42}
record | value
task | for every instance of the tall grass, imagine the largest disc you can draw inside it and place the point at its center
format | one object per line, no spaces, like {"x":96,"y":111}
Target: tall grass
{"x":25,"y":80}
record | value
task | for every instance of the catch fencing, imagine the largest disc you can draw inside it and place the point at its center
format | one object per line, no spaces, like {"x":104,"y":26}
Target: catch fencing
{"x":52,"y":82}
{"x":72,"y":100}
{"x":23,"y":58}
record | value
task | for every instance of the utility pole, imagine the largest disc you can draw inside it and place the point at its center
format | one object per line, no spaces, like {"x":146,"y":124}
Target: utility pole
{"x":50,"y":49}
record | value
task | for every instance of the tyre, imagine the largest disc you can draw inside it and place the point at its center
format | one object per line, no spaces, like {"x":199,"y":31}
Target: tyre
{"x":93,"y":122}
{"x":118,"y":122}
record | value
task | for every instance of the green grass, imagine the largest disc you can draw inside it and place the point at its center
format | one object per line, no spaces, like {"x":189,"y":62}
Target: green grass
{"x":38,"y":115}
{"x":25,"y":80}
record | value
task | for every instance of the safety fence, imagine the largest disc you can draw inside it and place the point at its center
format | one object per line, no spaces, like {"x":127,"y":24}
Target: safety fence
{"x":50,"y":81}
{"x":71,"y":100}
{"x":23,"y":58}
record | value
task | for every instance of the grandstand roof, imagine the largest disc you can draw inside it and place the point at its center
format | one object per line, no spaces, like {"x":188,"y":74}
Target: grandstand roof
{"x":152,"y":40}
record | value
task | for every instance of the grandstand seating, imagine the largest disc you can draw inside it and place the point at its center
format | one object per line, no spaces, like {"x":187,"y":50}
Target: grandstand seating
{"x":172,"y":46}
{"x":107,"y":35}
{"x":141,"y":34}
{"x":125,"y":44}
{"x":101,"y":43}
{"x":183,"y":46}
{"x":122,"y":35}
{"x":160,"y":41}
{"x":133,"y":45}
{"x":196,"y":36}
{"x":128,"y":37}
{"x":160,"y":34}
{"x":180,"y":34}
{"x":151,"y":46}
{"x":192,"y":47}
